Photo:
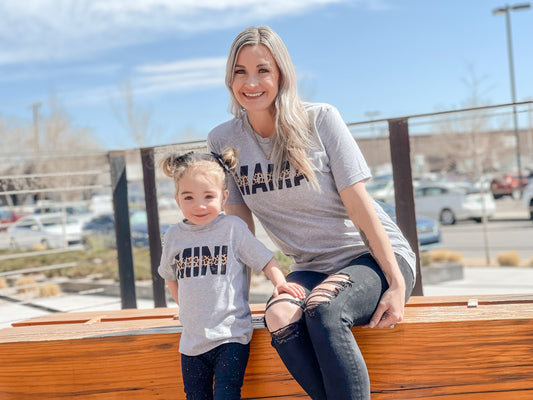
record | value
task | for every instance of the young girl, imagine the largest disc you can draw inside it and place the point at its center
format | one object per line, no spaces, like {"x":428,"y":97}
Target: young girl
{"x":204,"y":263}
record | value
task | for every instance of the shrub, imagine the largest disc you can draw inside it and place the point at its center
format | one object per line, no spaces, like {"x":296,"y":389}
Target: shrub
{"x":425,"y":258}
{"x":49,"y":290}
{"x":283,"y":261}
{"x":509,"y":258}
{"x":25,"y":280}
{"x":444,"y":255}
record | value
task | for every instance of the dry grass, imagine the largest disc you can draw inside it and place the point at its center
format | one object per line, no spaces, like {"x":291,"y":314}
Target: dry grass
{"x":509,"y":258}
{"x":444,"y":255}
{"x":49,"y":290}
{"x":26,"y":280}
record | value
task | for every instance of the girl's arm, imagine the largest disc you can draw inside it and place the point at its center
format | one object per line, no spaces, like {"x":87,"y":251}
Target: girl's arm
{"x":361,"y":211}
{"x":243,"y":212}
{"x":173,"y":289}
{"x":275,"y":275}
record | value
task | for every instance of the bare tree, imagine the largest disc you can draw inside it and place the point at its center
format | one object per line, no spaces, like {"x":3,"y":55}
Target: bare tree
{"x":133,"y":118}
{"x":55,"y":161}
{"x":472,"y":152}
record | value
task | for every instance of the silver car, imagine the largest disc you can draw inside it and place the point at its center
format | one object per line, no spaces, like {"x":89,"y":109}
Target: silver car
{"x":450,"y":203}
{"x":46,"y":230}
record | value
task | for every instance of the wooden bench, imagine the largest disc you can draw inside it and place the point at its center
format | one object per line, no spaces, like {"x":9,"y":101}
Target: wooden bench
{"x":446,"y":348}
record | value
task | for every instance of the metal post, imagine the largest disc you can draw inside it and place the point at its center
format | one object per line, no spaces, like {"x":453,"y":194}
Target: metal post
{"x":403,"y":190}
{"x":119,"y":185}
{"x":513,"y":98}
{"x":154,"y":234}
{"x":507,"y":10}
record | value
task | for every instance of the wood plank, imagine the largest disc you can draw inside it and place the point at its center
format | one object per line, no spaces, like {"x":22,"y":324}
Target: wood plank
{"x":439,"y":351}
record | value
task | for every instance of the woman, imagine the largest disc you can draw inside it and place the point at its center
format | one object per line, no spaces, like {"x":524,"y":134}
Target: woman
{"x":302,"y":175}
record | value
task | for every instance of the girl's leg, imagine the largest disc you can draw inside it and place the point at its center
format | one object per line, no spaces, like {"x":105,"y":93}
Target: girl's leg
{"x":197,"y":374}
{"x":346,"y":299}
{"x":229,"y":367}
{"x":284,"y":320}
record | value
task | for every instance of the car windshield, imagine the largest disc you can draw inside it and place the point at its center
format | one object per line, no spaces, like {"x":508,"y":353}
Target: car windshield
{"x":52,"y":221}
{"x":376,"y":185}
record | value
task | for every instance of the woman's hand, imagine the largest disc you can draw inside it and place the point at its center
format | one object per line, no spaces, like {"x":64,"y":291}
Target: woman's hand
{"x":291,"y":288}
{"x":390,"y":308}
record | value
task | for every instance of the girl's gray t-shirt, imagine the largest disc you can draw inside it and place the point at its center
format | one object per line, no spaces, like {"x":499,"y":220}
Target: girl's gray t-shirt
{"x":210,"y":263}
{"x":310,"y":225}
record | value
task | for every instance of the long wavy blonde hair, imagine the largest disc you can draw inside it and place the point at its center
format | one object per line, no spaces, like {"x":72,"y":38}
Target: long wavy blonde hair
{"x":292,"y":136}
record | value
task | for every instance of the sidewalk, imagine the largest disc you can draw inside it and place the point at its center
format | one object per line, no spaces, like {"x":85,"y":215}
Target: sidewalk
{"x":476,"y":280}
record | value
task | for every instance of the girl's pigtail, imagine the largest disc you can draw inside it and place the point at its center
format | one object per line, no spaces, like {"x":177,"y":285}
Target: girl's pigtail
{"x":229,"y":155}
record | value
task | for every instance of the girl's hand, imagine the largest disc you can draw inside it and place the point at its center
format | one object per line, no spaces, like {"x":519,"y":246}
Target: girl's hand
{"x":291,"y":288}
{"x":390,"y":309}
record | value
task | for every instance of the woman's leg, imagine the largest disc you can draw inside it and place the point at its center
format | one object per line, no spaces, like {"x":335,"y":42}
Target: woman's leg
{"x":345,"y":299}
{"x":197,"y":372}
{"x":284,"y":320}
{"x":229,"y":367}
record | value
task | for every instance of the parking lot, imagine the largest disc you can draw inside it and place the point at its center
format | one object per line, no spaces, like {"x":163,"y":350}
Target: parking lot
{"x":509,"y":230}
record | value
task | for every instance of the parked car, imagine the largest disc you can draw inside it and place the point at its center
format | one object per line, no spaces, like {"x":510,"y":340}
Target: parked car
{"x":79,"y":211}
{"x":100,"y":230}
{"x":450,"y":203}
{"x":7,"y":217}
{"x":381,"y":188}
{"x":47,"y":230}
{"x":527,"y":198}
{"x":508,"y":185}
{"x":428,"y":229}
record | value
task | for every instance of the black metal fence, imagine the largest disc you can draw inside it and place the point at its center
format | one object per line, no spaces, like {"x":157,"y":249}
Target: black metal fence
{"x":92,"y":173}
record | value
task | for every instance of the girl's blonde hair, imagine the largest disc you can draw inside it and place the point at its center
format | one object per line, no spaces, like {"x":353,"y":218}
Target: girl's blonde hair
{"x":292,"y":135}
{"x":175,"y":165}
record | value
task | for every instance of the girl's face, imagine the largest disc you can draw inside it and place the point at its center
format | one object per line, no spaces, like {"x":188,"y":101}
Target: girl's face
{"x":200,"y":197}
{"x":255,"y":78}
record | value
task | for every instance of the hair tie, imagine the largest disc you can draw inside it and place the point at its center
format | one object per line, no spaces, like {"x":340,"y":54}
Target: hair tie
{"x":221,"y":162}
{"x":182,"y":159}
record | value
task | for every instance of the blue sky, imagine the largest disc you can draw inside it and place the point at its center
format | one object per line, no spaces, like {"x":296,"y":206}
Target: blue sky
{"x":395,"y":57}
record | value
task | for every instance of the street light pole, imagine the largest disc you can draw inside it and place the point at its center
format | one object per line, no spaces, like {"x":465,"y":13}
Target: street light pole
{"x":506,"y":10}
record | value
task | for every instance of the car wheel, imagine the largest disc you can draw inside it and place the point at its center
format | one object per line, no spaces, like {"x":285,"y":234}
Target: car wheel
{"x":447,"y":217}
{"x":531,"y":209}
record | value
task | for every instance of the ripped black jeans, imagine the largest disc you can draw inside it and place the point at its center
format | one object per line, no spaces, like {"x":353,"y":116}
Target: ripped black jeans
{"x":320,"y":350}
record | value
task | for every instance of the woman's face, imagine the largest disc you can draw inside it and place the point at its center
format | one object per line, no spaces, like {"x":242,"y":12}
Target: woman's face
{"x":255,"y":78}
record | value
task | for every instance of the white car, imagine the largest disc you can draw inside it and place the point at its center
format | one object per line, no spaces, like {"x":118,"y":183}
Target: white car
{"x":381,"y":188}
{"x":449,"y":203}
{"x":527,"y":198}
{"x":47,"y":230}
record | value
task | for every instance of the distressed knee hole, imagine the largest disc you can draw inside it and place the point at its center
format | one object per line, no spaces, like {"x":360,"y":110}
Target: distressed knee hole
{"x":327,"y":290}
{"x":282,"y":311}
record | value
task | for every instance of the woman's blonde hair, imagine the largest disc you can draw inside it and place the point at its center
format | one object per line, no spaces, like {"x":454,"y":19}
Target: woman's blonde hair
{"x":292,"y":136}
{"x":175,"y":165}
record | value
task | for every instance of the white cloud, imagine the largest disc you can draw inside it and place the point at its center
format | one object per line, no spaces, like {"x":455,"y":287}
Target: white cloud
{"x":160,"y":78}
{"x":58,"y":30}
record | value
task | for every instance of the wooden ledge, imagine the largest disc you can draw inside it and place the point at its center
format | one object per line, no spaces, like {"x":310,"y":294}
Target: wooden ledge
{"x":447,"y":348}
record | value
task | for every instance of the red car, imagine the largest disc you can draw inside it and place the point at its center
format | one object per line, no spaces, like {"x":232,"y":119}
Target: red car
{"x":7,"y":217}
{"x":508,"y":185}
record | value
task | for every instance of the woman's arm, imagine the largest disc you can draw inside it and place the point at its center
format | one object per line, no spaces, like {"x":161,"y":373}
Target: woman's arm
{"x":243,"y":212}
{"x":173,"y":289}
{"x":361,"y":211}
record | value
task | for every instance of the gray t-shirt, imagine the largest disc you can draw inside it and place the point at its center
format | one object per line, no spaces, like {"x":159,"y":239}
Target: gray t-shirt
{"x":210,"y":262}
{"x":309,"y":225}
